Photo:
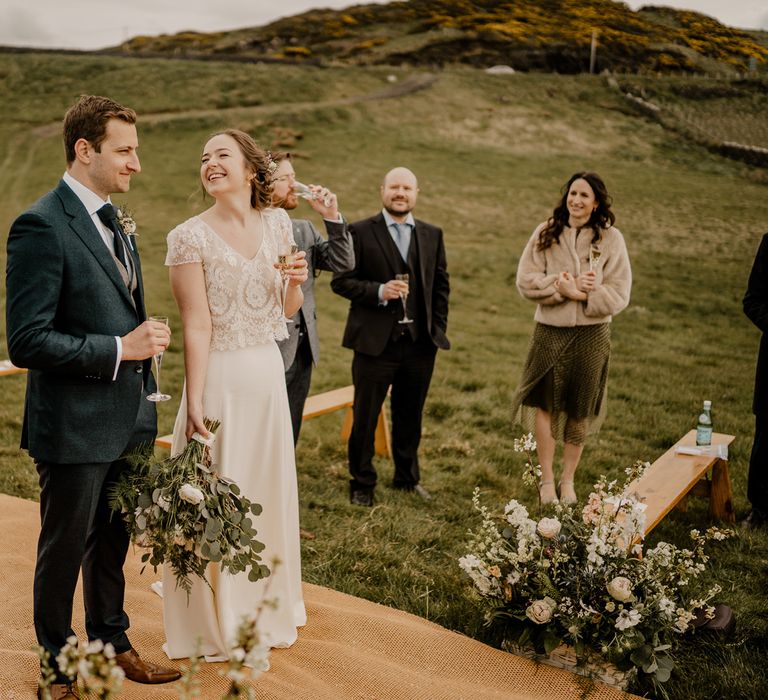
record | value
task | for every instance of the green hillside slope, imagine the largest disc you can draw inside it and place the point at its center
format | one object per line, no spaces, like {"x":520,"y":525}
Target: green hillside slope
{"x":549,"y":35}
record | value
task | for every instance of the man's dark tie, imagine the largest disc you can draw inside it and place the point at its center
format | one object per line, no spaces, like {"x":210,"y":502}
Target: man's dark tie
{"x":108,"y":216}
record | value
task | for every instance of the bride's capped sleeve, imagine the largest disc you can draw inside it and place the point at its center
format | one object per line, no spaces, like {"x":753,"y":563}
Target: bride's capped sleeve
{"x":185,"y":245}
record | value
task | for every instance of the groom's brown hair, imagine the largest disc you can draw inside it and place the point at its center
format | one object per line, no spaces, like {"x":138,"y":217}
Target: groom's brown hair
{"x":87,"y":119}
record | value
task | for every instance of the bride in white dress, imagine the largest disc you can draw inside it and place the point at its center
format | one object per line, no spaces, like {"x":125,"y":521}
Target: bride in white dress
{"x":223,"y":275}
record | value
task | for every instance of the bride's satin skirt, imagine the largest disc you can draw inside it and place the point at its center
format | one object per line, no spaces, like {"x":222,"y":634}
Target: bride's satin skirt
{"x":245,"y":390}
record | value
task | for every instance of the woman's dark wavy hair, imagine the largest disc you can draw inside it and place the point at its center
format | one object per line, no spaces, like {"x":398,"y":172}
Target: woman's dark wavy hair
{"x":601,"y":218}
{"x":259,"y":162}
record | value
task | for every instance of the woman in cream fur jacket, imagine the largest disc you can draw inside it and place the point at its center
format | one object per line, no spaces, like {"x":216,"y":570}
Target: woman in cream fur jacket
{"x":576,"y":269}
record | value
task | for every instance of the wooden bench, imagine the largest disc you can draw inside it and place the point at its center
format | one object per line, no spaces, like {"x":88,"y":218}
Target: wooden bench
{"x":328,"y":402}
{"x":668,"y":481}
{"x":7,"y":367}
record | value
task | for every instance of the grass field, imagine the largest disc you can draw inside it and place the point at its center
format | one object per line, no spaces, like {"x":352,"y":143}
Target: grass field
{"x":491,"y":153}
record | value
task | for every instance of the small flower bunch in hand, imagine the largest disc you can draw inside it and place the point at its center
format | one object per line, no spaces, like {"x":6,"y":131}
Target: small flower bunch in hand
{"x":580,"y":578}
{"x":187,"y":515}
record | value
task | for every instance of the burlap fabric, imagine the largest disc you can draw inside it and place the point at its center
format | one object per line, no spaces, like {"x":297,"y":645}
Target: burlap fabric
{"x":350,"y":648}
{"x":566,"y":374}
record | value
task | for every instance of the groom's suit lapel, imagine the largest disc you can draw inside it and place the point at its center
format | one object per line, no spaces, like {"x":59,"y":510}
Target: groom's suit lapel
{"x":82,"y":225}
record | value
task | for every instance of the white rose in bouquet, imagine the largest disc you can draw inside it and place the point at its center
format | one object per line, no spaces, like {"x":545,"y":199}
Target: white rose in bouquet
{"x":620,"y":589}
{"x":540,"y":611}
{"x":548,"y":528}
{"x":190,"y":494}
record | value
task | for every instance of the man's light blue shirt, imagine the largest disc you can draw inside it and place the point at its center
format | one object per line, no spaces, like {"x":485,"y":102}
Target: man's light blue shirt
{"x":402,"y":244}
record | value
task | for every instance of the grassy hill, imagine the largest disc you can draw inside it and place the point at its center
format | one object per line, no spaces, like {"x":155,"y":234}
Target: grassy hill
{"x":545,"y":35}
{"x":491,"y":153}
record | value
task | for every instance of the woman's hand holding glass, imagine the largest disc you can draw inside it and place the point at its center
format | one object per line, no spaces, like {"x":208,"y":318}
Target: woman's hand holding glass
{"x":297,"y":270}
{"x":293,"y":268}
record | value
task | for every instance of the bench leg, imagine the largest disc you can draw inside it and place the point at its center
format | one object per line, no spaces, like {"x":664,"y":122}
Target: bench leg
{"x":720,"y":497}
{"x":346,"y":426}
{"x":382,"y":443}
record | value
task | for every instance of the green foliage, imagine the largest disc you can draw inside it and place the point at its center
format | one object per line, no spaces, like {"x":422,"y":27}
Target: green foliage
{"x":186,"y":515}
{"x":491,"y":153}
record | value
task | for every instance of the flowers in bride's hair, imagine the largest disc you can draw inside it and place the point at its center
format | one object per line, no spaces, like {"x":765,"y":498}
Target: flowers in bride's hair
{"x":190,"y":494}
{"x":271,"y":163}
{"x":582,"y":578}
{"x":187,"y":515}
{"x":126,"y":221}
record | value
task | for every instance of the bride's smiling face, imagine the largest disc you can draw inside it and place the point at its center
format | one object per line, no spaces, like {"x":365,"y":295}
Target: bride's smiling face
{"x":223,"y":168}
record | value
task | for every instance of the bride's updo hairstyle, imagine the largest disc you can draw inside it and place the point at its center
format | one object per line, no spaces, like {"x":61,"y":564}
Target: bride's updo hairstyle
{"x":261,"y":165}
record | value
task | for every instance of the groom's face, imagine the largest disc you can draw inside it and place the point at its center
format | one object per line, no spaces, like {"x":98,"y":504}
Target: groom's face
{"x":110,"y":168}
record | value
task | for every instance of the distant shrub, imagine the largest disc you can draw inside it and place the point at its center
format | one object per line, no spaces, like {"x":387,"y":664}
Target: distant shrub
{"x":297,"y":51}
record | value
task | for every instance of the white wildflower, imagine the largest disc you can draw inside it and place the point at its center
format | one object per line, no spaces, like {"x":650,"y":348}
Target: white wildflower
{"x":627,"y":619}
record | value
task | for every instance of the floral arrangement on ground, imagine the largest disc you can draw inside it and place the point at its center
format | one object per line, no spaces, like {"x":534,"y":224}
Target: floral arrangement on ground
{"x":188,"y":515}
{"x":581,"y":578}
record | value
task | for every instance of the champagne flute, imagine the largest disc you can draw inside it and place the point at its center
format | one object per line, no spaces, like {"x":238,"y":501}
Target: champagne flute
{"x":305,"y":193}
{"x":403,"y":298}
{"x":157,"y":359}
{"x":594,"y":257}
{"x":285,"y":259}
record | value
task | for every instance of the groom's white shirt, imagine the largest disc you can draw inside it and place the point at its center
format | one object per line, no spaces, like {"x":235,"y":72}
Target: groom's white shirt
{"x":92,"y":203}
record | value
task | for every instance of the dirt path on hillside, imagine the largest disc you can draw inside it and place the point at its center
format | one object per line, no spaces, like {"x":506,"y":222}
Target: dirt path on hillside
{"x":408,"y":86}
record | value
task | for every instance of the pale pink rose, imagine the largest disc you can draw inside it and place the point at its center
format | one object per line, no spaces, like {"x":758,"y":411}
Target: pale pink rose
{"x":540,"y":611}
{"x":620,"y":588}
{"x":549,"y":528}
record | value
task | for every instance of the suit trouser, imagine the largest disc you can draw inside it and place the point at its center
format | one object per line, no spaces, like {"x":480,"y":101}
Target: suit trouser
{"x":297,"y":380}
{"x":407,"y":367}
{"x":757,"y":478}
{"x":77,"y":530}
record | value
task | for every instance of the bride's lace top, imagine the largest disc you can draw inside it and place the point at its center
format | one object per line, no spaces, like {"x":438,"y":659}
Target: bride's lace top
{"x":243,"y":295}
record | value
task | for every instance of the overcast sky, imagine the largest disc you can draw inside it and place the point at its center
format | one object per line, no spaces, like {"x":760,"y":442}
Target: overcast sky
{"x":91,"y":24}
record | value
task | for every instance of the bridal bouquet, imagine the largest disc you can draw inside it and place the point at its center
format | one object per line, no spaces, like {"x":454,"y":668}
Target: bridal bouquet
{"x":580,"y":578}
{"x":187,"y":515}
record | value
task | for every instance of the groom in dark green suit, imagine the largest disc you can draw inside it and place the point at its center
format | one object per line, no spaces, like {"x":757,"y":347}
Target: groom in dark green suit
{"x":76,"y":319}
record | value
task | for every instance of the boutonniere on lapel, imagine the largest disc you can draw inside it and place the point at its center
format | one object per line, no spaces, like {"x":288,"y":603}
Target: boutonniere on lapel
{"x":126,"y":221}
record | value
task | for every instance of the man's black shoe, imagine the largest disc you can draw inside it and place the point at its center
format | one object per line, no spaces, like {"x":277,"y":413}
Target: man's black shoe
{"x":756,"y":519}
{"x":361,"y":498}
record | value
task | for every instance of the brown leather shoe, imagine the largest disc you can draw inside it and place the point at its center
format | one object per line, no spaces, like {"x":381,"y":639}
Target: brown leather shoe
{"x":144,"y":671}
{"x":59,"y":691}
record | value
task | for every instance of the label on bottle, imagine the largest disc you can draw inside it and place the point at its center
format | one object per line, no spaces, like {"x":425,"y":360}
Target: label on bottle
{"x":704,"y":435}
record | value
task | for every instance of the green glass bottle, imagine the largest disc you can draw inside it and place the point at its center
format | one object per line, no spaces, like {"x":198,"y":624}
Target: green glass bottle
{"x":704,"y":426}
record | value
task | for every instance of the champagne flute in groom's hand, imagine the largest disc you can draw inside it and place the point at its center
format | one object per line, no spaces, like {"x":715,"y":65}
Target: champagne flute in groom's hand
{"x":158,"y":359}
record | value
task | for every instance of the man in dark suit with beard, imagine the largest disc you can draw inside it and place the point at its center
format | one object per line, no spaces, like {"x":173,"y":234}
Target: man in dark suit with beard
{"x":395,"y":327}
{"x":756,"y":308}
{"x":301,"y":349}
{"x":76,"y":318}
